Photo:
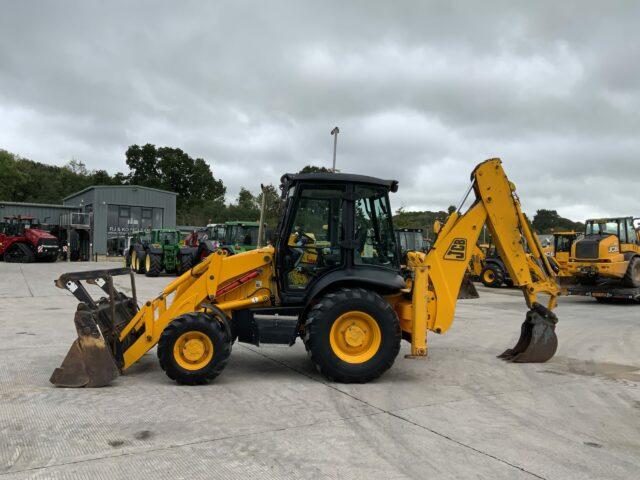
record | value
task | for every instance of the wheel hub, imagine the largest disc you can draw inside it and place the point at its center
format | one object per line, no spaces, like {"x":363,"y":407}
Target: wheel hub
{"x":193,"y":350}
{"x":355,"y":337}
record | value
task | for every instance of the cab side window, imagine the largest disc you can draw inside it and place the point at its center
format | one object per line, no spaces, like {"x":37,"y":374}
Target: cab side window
{"x":375,"y":240}
{"x":631,"y":232}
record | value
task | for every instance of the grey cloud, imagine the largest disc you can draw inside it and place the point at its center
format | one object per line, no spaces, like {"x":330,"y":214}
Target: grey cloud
{"x":421,"y":90}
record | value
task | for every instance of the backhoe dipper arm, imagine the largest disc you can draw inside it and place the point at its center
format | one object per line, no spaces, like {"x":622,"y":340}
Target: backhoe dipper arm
{"x":439,"y":274}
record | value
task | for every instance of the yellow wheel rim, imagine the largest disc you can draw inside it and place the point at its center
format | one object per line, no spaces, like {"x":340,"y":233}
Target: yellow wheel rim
{"x":355,"y":337}
{"x":489,"y":276}
{"x":147,"y":263}
{"x":193,"y":350}
{"x":134,"y":260}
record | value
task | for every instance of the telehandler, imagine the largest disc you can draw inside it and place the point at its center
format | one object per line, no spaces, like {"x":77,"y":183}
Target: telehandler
{"x":333,"y":278}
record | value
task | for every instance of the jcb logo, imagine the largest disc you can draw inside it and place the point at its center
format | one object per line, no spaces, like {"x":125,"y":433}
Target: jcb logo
{"x":457,"y":250}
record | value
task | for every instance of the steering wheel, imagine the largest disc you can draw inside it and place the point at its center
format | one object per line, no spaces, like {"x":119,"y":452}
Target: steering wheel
{"x":304,"y":238}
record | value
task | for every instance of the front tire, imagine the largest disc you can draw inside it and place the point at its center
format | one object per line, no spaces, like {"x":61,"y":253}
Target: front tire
{"x":137,"y":261}
{"x":632,"y":276}
{"x":153,"y":265}
{"x":194,"y":348}
{"x":492,"y":276}
{"x":352,"y":335}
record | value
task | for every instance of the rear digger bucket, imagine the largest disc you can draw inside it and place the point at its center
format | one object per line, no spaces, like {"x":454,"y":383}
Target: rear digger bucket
{"x":467,"y":288}
{"x":538,"y":341}
{"x":95,"y":357}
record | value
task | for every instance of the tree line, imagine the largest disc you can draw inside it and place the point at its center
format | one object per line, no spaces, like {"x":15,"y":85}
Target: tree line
{"x":200,"y":199}
{"x":201,"y":196}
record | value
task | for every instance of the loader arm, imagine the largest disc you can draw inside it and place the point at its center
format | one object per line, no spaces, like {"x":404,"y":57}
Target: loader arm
{"x":437,"y":276}
{"x":206,"y":283}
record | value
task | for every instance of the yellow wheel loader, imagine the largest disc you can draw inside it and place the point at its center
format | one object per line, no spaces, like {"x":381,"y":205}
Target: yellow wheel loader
{"x":609,"y":250}
{"x":333,"y":279}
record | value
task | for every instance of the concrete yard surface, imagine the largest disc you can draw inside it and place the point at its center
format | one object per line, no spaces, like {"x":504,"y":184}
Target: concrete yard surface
{"x":462,"y":413}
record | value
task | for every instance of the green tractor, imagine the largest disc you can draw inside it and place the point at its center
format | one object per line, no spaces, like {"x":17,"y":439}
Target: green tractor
{"x":159,"y":250}
{"x":240,"y":237}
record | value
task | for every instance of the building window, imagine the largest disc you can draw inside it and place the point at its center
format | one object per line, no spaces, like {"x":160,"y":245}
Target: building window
{"x":124,"y":221}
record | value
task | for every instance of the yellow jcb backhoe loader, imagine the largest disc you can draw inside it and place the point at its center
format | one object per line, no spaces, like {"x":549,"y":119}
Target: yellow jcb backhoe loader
{"x":333,"y":279}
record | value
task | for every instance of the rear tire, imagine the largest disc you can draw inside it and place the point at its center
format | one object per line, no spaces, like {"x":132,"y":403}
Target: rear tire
{"x":19,"y":253}
{"x":186,"y":262}
{"x":352,"y":335}
{"x":492,"y":276}
{"x":632,"y":276}
{"x":196,"y":364}
{"x":153,"y":265}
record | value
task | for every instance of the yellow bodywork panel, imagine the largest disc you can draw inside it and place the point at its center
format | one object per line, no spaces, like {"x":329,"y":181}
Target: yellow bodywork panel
{"x":610,"y":263}
{"x":199,"y":286}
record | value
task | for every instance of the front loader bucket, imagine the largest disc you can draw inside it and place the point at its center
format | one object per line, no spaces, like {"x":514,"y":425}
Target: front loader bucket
{"x":538,"y":341}
{"x":95,"y":357}
{"x":89,"y":362}
{"x":467,"y":288}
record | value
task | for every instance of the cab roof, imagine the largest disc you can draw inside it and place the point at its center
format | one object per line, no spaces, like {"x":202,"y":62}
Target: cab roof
{"x":289,"y":179}
{"x":609,"y":219}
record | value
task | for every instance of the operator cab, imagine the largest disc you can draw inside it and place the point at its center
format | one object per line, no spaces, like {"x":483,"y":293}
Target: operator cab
{"x":563,"y":241}
{"x":335,"y":227}
{"x":15,"y":225}
{"x":601,"y":230}
{"x":621,"y":227}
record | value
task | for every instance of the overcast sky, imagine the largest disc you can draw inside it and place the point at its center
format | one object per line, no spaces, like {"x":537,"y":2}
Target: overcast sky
{"x":421,"y":91}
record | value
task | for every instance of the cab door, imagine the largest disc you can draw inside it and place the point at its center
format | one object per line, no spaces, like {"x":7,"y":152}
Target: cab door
{"x":310,"y":242}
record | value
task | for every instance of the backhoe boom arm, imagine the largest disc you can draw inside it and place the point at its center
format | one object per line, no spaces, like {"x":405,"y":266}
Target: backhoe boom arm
{"x":439,"y":274}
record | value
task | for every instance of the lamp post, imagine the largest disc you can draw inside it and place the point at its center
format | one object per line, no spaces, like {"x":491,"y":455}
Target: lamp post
{"x":335,"y":133}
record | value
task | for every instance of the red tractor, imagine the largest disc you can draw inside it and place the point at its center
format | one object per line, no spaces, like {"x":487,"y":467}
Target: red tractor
{"x":206,"y":240}
{"x":21,"y":242}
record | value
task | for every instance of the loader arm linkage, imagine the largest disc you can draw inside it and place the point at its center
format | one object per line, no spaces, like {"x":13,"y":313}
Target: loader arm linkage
{"x":437,"y":275}
{"x":192,"y":291}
